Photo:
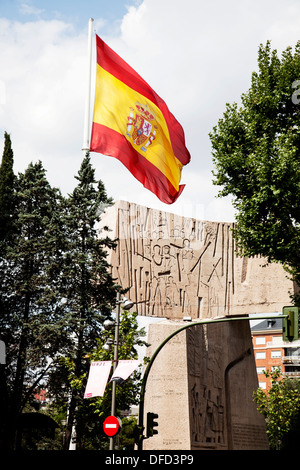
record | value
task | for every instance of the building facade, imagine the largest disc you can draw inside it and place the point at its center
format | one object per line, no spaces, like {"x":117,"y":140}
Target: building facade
{"x":272,"y":352}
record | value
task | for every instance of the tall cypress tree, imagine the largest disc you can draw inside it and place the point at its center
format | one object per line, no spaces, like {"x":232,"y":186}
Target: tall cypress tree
{"x":7,"y":179}
{"x":89,"y":288}
{"x":55,"y":290}
{"x":30,"y":317}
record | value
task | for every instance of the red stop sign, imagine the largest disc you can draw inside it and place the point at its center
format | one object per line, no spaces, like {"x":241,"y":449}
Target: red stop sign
{"x":111,"y":426}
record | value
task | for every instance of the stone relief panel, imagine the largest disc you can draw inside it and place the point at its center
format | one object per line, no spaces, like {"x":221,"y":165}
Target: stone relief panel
{"x":201,"y":386}
{"x":206,"y":383}
{"x":176,"y":266}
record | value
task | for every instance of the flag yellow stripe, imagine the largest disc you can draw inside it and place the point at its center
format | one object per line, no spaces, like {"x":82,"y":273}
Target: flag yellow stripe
{"x":114,"y":101}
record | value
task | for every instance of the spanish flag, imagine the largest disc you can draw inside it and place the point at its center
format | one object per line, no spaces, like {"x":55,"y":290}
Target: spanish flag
{"x":133,"y":124}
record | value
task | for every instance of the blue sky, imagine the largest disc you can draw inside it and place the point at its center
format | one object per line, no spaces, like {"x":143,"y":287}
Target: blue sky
{"x":76,"y":12}
{"x":197,"y":55}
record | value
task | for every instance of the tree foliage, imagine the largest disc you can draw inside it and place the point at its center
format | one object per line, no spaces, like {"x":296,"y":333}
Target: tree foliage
{"x":87,"y":287}
{"x":7,"y":178}
{"x":28,"y":320}
{"x":280,"y":407}
{"x":256,"y":153}
{"x":55,"y":291}
{"x":91,"y":412}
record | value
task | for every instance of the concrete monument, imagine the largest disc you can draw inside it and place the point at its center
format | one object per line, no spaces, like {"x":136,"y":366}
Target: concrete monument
{"x":202,"y":381}
{"x":201,"y":386}
{"x":176,"y":266}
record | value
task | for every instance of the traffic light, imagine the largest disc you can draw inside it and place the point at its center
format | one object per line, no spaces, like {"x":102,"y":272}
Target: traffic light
{"x":290,"y":323}
{"x":151,"y":424}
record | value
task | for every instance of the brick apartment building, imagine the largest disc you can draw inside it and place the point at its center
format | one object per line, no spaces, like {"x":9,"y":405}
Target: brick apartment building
{"x":271,"y":351}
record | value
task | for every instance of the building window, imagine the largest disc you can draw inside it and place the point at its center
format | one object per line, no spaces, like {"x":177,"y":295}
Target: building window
{"x":262,"y":385}
{"x":275,"y":354}
{"x":293,"y":352}
{"x":260,"y":340}
{"x":261,"y":355}
{"x":260,"y":370}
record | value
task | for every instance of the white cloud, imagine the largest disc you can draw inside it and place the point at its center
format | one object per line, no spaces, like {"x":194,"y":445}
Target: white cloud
{"x":26,"y":8}
{"x":44,"y":76}
{"x":197,"y":56}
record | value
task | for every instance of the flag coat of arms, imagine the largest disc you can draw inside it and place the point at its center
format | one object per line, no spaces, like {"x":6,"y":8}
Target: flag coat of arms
{"x":133,"y":124}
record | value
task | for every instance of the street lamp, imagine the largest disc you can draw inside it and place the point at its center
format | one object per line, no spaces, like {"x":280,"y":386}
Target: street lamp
{"x":107,"y":345}
{"x":127,"y":305}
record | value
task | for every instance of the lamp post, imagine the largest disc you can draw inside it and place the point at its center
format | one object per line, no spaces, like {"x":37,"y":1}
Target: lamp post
{"x":116,"y":350}
{"x":127,"y":304}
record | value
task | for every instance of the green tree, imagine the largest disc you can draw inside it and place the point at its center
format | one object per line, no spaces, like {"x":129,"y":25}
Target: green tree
{"x":7,"y":180}
{"x":87,"y":287}
{"x":55,"y":291}
{"x":93,"y":411}
{"x":256,"y":153}
{"x":29,"y":320}
{"x":280,"y":407}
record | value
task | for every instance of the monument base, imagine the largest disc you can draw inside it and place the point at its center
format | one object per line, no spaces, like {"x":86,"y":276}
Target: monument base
{"x":201,"y":386}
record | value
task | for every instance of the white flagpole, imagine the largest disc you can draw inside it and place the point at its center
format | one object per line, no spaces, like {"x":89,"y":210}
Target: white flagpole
{"x":86,"y":129}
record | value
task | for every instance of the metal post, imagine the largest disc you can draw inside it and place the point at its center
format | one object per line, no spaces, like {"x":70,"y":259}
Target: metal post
{"x":116,"y":348}
{"x":86,"y":128}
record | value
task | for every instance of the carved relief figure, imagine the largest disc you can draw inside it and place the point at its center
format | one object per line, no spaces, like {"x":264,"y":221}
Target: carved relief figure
{"x":157,"y":250}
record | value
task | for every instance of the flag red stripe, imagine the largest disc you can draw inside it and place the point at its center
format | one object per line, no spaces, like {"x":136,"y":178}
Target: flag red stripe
{"x":110,"y":142}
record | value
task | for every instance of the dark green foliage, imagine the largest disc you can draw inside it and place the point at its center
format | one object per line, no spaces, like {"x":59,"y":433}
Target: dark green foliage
{"x":280,"y":407}
{"x":88,"y":289}
{"x":7,"y":178}
{"x":55,"y":291}
{"x":28,"y":320}
{"x":256,"y":152}
{"x":91,"y":412}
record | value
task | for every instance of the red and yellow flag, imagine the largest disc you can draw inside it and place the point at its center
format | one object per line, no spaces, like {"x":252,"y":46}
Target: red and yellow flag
{"x":133,"y":124}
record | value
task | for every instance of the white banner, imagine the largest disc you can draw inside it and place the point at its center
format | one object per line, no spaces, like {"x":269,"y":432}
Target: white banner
{"x":124,"y":369}
{"x":97,"y":379}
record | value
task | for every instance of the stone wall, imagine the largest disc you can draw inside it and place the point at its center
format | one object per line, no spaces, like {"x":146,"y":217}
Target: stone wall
{"x":201,"y":385}
{"x":176,"y":266}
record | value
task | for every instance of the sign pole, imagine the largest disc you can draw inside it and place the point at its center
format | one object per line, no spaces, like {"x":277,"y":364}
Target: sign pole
{"x":116,"y":347}
{"x":112,"y":426}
